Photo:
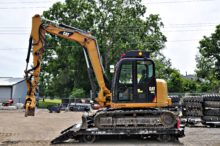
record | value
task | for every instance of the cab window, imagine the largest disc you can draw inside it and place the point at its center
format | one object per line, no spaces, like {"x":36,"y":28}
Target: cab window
{"x":125,"y":86}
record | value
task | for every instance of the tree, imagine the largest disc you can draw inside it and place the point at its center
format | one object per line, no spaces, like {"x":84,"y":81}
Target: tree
{"x":119,"y":25}
{"x":190,"y":85}
{"x":208,"y":61}
{"x":77,"y":93}
{"x":163,"y":65}
{"x":175,"y":82}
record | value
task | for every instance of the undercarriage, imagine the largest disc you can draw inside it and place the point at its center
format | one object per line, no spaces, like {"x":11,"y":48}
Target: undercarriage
{"x":160,"y":123}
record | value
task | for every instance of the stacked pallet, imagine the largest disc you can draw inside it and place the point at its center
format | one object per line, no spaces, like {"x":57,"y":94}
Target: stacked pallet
{"x":211,"y":108}
{"x":192,"y":106}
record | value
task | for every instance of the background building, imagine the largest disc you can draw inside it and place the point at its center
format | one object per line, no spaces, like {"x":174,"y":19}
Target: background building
{"x":14,"y":88}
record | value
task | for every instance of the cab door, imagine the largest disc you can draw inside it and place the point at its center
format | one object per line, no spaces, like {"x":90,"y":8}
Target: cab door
{"x":135,"y":81}
{"x":145,"y":83}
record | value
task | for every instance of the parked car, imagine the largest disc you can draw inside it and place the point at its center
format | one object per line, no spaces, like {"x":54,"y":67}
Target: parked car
{"x":64,"y":106}
{"x":54,"y":108}
{"x":79,"y":107}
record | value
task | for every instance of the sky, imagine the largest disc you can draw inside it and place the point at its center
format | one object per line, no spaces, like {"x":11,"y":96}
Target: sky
{"x":185,"y":23}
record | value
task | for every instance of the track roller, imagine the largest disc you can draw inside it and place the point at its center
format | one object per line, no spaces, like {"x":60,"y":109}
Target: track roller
{"x":88,"y":138}
{"x":164,"y":138}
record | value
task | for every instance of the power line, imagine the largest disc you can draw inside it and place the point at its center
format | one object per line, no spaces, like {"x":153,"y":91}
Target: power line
{"x":2,"y":33}
{"x":24,"y":2}
{"x":171,"y":31}
{"x":186,"y":30}
{"x":192,"y":25}
{"x":200,"y":23}
{"x":182,"y":41}
{"x":176,"y":2}
{"x":13,"y":49}
{"x":49,"y":1}
{"x":194,"y":28}
{"x":15,"y":8}
{"x":13,"y":26}
{"x":171,"y":41}
{"x":166,"y":26}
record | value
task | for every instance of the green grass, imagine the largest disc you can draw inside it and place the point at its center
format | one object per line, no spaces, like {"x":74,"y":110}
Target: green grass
{"x":48,"y":102}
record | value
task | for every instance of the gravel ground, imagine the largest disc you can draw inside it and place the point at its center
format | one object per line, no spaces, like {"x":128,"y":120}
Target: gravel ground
{"x":16,"y":130}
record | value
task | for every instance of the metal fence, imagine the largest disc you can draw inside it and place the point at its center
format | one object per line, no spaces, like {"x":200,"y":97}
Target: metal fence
{"x":191,"y":94}
{"x":89,"y":100}
{"x":76,"y":100}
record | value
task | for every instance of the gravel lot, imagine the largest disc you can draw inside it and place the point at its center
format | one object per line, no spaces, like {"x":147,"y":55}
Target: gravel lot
{"x":16,"y":130}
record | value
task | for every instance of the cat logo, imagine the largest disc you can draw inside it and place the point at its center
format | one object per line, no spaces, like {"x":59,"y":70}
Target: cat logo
{"x":65,"y":33}
{"x":152,"y":89}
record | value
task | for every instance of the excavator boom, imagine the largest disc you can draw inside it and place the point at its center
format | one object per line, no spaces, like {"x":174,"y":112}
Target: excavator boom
{"x":42,"y":26}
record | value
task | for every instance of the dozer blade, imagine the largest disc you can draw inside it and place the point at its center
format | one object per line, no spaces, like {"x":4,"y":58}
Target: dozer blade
{"x":62,"y":138}
{"x":67,"y":134}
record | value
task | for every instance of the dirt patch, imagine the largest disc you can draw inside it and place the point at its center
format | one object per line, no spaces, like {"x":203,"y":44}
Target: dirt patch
{"x":16,"y":130}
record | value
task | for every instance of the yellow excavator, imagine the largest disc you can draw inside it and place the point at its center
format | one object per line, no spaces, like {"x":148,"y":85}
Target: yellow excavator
{"x":137,"y":103}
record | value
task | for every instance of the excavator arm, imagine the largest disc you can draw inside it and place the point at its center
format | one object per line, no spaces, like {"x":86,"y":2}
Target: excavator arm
{"x":42,"y":26}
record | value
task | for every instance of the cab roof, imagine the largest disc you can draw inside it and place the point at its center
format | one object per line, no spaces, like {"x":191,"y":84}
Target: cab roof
{"x":136,"y":54}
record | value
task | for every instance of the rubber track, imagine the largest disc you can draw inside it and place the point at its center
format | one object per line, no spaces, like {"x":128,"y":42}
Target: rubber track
{"x":193,"y":105}
{"x":193,"y":99}
{"x":213,"y":97}
{"x":212,"y":112}
{"x":212,"y":104}
{"x":193,"y":113}
{"x":211,"y":118}
{"x":124,"y":112}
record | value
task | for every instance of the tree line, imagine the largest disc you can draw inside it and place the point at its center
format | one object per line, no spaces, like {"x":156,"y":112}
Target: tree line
{"x":119,"y":26}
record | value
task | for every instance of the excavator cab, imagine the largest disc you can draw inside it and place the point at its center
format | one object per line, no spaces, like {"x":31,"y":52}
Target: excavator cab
{"x":134,"y":80}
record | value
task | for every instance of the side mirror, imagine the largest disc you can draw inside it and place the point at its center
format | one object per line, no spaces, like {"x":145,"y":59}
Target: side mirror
{"x":112,"y":68}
